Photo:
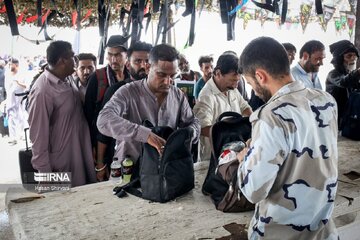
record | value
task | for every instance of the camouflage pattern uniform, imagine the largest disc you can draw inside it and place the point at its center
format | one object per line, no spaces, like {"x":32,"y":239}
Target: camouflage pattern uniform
{"x":290,"y":170}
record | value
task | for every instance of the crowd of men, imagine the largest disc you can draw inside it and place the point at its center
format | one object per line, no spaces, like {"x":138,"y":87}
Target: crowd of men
{"x":81,"y":118}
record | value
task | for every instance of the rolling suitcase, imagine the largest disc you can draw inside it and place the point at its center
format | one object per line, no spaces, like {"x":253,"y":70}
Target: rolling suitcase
{"x":26,"y":169}
{"x":4,"y":130}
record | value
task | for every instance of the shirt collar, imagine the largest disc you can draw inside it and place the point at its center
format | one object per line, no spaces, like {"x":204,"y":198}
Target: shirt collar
{"x":293,"y":86}
{"x":300,"y":68}
{"x":145,"y":83}
{"x":52,"y":78}
{"x":213,"y":86}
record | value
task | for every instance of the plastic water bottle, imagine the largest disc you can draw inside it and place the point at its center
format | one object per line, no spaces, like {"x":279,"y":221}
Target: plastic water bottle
{"x":115,"y":170}
{"x":127,"y":166}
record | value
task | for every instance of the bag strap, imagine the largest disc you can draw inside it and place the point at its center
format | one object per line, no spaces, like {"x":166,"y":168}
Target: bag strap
{"x":128,"y":188}
{"x":102,"y":83}
{"x":26,"y":139}
{"x":179,"y":113}
{"x":228,"y":114}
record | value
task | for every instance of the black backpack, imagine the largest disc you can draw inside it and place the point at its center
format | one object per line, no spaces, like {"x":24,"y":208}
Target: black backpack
{"x":221,"y":183}
{"x":164,"y":178}
{"x":350,"y":125}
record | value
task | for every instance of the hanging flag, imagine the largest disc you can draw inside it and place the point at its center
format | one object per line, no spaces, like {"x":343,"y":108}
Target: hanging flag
{"x":343,"y":20}
{"x":351,"y":18}
{"x":277,"y":21}
{"x":147,"y":8}
{"x":246,"y":17}
{"x":263,"y":16}
{"x":288,"y":25}
{"x":322,"y":22}
{"x":20,"y":18}
{"x":305,"y":11}
{"x":257,"y":14}
{"x":74,"y":16}
{"x":295,"y":22}
{"x":43,"y":18}
{"x":3,"y":9}
{"x":326,"y":16}
{"x":31,"y":19}
{"x":87,"y":15}
{"x":338,"y":24}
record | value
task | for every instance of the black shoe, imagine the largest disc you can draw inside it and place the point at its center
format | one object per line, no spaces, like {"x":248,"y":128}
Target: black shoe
{"x":12,"y":143}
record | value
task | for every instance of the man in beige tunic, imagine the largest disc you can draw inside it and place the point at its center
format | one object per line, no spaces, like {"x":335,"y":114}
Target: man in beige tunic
{"x":58,"y":128}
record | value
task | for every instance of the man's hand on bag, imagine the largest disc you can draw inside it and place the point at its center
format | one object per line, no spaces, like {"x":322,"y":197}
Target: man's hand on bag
{"x":241,"y":155}
{"x":157,"y":142}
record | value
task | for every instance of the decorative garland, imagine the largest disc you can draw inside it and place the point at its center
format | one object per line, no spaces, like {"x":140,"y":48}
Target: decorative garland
{"x":26,"y":13}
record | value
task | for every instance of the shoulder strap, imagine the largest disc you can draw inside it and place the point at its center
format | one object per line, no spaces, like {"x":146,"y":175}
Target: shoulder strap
{"x":102,"y":83}
{"x":129,"y":188}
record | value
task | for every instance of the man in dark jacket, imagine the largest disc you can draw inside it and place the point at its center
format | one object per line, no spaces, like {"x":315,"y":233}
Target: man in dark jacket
{"x":101,"y":79}
{"x":344,"y":78}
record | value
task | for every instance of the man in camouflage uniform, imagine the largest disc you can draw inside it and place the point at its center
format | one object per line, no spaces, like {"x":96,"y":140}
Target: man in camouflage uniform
{"x":290,"y":166}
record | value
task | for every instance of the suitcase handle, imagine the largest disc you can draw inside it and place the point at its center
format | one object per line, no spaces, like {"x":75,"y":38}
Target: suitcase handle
{"x":26,"y":139}
{"x":229,"y":114}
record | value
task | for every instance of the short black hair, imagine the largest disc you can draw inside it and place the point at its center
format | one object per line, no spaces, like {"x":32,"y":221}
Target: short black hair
{"x":85,"y":56}
{"x":227,"y":63}
{"x":289,"y":47}
{"x":14,"y":61}
{"x":205,"y":59}
{"x":311,"y":46}
{"x":230,"y":52}
{"x":139,"y":46}
{"x":265,"y":53}
{"x":163,"y":52}
{"x":57,"y":50}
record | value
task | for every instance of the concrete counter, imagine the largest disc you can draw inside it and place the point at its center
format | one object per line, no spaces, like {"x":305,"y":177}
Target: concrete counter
{"x":93,"y":212}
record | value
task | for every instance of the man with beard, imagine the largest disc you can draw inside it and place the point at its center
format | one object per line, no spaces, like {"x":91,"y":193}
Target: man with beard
{"x":85,"y":66}
{"x":58,"y":129}
{"x":219,"y":95}
{"x":291,"y":51}
{"x":186,"y":74}
{"x":344,"y":78}
{"x":138,"y":67}
{"x":289,"y":168}
{"x":154,"y":99}
{"x":311,"y":58}
{"x":206,"y":67}
{"x":101,"y":79}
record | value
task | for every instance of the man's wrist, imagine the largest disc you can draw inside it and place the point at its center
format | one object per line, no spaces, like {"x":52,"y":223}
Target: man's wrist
{"x":99,"y":162}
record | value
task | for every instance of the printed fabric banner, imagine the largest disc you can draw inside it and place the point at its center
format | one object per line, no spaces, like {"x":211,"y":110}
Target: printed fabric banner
{"x":326,"y":17}
{"x":351,"y":18}
{"x":305,"y":11}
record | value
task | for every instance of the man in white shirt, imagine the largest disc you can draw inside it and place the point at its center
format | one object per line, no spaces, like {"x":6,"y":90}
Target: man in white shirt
{"x":311,"y":58}
{"x":15,"y":83}
{"x":219,"y":95}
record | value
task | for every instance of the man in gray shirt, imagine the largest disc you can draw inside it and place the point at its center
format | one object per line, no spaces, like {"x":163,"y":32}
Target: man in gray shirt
{"x":154,"y":99}
{"x":311,"y":58}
